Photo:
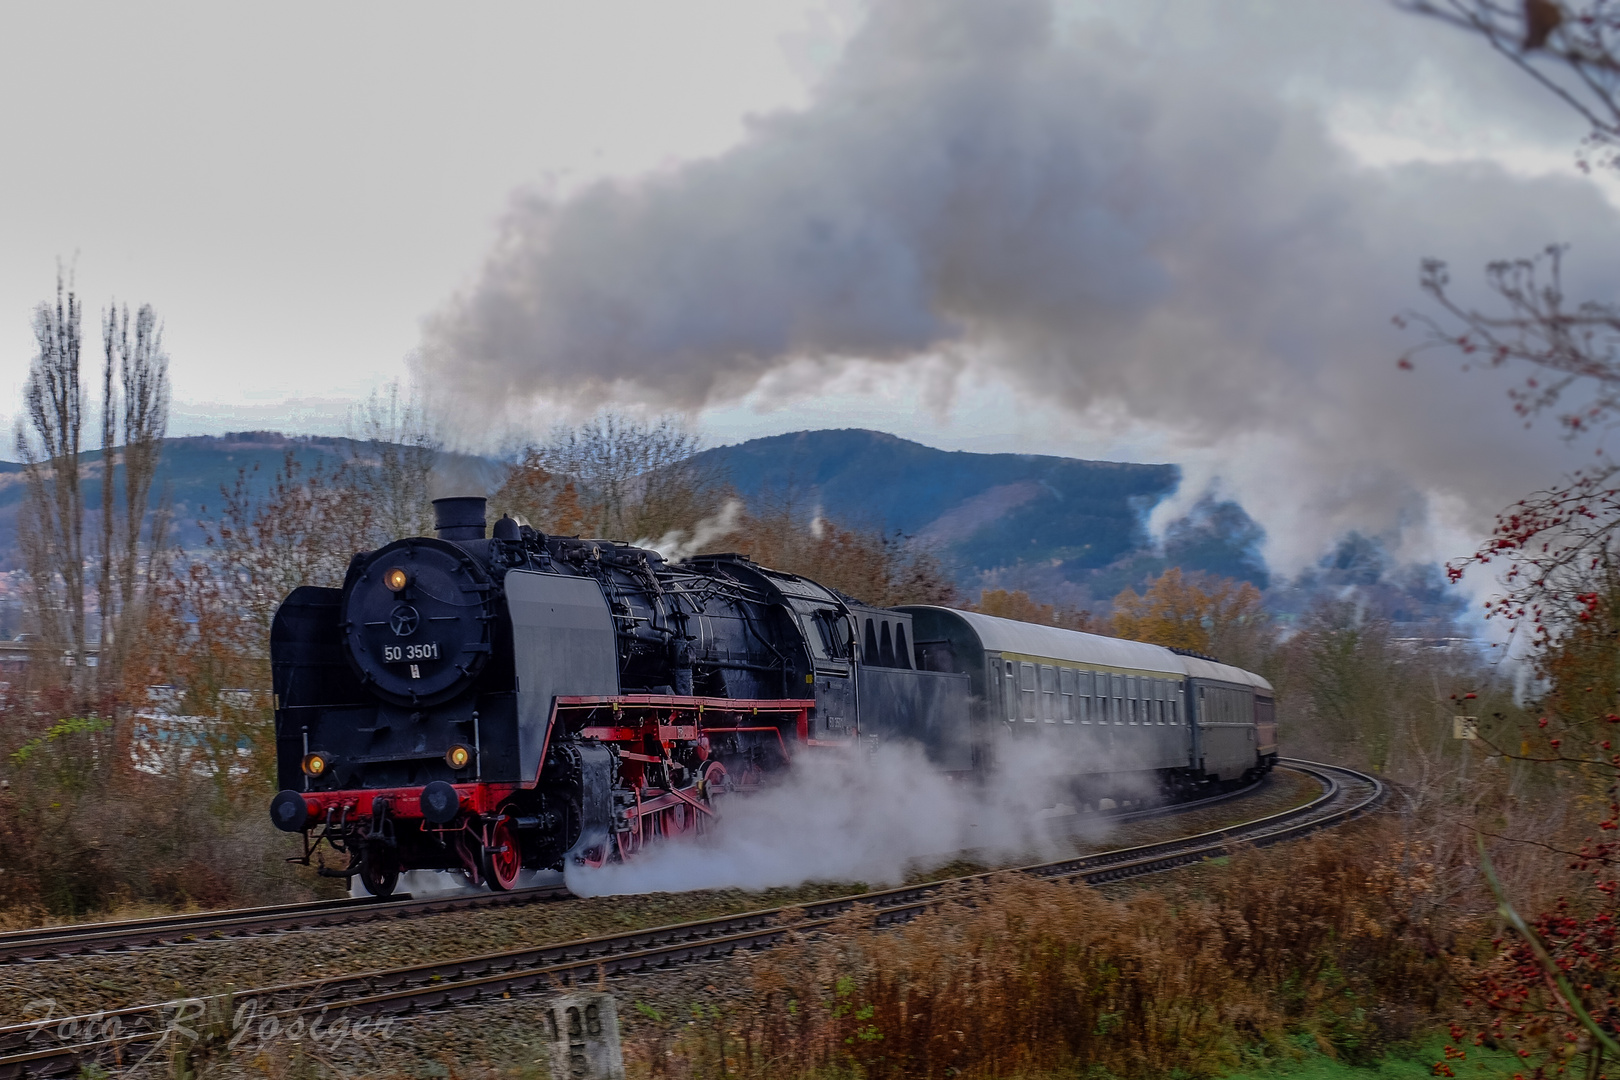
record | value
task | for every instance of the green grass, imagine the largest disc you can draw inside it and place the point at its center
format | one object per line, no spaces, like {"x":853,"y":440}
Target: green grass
{"x":1481,"y":1064}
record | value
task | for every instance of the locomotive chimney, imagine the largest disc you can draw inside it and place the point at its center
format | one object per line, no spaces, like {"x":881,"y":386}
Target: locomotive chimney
{"x":459,"y":518}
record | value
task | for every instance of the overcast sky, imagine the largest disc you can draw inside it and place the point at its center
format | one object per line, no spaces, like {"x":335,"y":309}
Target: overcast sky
{"x":1154,"y":229}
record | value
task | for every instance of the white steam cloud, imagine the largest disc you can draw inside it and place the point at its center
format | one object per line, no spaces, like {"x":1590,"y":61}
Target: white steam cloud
{"x":870,"y":816}
{"x":1173,"y":239}
{"x":680,"y":544}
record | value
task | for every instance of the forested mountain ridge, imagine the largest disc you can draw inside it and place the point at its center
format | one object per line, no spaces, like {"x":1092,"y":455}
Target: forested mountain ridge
{"x":1064,"y":529}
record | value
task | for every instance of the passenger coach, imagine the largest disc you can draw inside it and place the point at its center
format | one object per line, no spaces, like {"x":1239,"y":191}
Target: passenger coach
{"x":1116,"y":707}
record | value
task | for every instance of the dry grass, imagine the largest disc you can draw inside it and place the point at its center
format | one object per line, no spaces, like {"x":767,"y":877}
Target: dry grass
{"x":1019,"y":977}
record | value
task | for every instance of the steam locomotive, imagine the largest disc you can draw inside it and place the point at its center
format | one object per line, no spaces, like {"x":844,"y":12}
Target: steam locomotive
{"x":490,"y":703}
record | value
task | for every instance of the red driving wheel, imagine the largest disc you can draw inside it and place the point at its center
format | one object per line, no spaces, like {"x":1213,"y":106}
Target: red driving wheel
{"x":503,"y":855}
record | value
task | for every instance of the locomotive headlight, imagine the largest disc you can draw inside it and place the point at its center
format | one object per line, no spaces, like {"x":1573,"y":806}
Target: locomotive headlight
{"x":314,"y":764}
{"x":396,"y":579}
{"x":457,"y":757}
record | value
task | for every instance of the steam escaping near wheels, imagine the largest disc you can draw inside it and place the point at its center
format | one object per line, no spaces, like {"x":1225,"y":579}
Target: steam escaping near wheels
{"x":872,"y":817}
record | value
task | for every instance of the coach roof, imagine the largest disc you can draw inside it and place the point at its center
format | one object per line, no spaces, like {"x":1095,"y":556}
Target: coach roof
{"x":1073,"y":646}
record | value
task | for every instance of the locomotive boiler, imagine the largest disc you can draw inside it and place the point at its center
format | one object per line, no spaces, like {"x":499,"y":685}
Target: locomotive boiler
{"x":493,"y":700}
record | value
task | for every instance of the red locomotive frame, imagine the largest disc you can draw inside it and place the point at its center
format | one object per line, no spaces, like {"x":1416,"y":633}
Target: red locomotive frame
{"x":657,"y":736}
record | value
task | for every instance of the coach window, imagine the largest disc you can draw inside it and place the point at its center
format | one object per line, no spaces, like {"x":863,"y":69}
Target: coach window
{"x":902,"y":651}
{"x":1049,"y":687}
{"x":1066,"y":702}
{"x":1010,"y":687}
{"x":1027,"y":691}
{"x":1082,"y":696}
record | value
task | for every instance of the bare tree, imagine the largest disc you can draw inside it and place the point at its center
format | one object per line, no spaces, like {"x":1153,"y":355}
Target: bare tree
{"x":636,"y":479}
{"x":1573,"y":51}
{"x":51,"y":527}
{"x":135,"y":414}
{"x":301,"y":531}
{"x":1570,"y":349}
{"x":394,"y":451}
{"x":1570,"y":49}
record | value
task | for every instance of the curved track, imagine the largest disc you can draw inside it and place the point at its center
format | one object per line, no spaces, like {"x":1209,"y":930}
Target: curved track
{"x":55,"y":941}
{"x":60,"y":1046}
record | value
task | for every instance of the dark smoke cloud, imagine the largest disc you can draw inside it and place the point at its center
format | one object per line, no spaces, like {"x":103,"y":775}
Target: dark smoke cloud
{"x":1174,"y":239}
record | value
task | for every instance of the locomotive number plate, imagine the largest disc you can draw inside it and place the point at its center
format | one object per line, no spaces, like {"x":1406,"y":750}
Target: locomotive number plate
{"x":402,"y":654}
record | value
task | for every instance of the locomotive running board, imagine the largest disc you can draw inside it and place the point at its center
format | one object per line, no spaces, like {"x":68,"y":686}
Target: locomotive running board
{"x":698,"y":709}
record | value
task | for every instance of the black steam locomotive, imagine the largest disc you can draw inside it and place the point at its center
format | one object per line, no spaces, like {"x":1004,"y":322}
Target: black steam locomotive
{"x":518,"y":700}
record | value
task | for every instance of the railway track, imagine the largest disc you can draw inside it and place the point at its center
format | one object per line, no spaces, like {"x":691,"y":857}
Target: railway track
{"x":61,"y":1046}
{"x":55,"y":941}
{"x":61,"y":941}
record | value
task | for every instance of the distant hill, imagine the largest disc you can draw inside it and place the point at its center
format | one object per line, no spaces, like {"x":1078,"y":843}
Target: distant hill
{"x":1065,"y":530}
{"x":984,"y":514}
{"x":985,"y":510}
{"x":192,"y":471}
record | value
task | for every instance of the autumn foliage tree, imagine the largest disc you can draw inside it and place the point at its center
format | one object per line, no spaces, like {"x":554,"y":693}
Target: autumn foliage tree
{"x":871,"y":565}
{"x":1019,"y":605}
{"x":1198,"y":612}
{"x":545,"y":500}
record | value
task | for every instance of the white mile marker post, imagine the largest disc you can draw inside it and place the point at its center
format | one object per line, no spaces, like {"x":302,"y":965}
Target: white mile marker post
{"x":584,"y":1033}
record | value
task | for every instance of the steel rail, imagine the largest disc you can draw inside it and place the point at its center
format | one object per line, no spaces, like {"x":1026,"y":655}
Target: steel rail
{"x":54,"y":941}
{"x":191,"y":927}
{"x":60,"y":1047}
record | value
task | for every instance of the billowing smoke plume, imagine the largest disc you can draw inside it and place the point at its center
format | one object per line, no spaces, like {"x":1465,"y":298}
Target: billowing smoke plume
{"x":1175,"y":241}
